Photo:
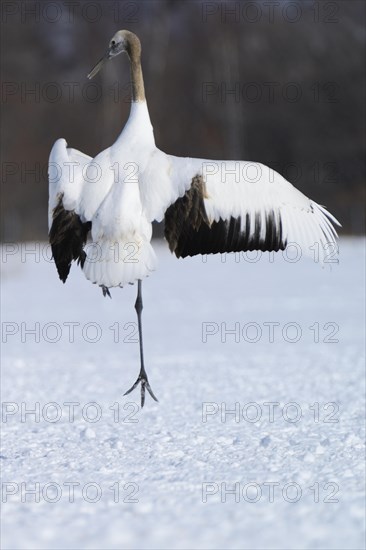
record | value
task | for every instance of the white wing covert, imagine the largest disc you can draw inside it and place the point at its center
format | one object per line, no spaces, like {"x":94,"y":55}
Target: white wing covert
{"x":65,"y":173}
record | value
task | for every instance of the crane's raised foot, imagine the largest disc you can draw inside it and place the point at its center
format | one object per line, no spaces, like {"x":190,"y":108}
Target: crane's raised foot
{"x":142,"y":378}
{"x":105,"y":291}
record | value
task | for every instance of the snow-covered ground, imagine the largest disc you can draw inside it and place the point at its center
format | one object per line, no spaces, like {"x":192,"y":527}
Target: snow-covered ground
{"x":257,"y":441}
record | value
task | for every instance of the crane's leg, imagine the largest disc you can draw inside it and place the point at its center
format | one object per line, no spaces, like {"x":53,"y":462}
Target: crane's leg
{"x":142,"y":377}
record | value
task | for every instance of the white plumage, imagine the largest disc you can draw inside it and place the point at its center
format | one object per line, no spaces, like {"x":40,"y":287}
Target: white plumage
{"x":208,"y":206}
{"x":124,"y":188}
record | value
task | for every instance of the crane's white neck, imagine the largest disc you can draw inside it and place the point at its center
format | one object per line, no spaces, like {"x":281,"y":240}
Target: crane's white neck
{"x":138,"y":126}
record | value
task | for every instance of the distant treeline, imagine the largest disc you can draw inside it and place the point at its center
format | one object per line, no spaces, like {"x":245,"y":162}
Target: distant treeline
{"x":278,"y":82}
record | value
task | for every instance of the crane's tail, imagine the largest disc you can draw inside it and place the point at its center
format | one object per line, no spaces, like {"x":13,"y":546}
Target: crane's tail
{"x":116,"y":263}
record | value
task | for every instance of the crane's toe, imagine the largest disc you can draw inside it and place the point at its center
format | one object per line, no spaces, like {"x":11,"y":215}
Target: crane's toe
{"x":105,"y":291}
{"x":143,"y":380}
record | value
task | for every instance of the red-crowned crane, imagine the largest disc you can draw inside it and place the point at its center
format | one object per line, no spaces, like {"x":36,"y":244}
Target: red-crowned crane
{"x":207,"y":206}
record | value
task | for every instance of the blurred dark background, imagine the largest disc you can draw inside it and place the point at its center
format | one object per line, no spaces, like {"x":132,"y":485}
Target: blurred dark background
{"x":277,"y":82}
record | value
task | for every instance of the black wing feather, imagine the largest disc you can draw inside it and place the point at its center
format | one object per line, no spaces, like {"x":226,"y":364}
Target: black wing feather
{"x":189,"y":231}
{"x":67,"y":237}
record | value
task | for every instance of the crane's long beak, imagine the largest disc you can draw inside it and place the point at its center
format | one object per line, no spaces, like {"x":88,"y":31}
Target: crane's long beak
{"x":98,"y":66}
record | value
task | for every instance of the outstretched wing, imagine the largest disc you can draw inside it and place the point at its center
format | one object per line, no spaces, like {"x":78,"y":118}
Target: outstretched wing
{"x":229,"y":206}
{"x":67,"y":231}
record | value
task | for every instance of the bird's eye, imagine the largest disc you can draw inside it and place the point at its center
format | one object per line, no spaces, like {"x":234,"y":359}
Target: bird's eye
{"x":113,"y":43}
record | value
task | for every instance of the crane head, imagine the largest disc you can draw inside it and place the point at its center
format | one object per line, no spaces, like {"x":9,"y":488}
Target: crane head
{"x":122,"y":41}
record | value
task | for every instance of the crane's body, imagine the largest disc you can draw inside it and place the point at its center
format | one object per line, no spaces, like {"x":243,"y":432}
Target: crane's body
{"x":208,"y":206}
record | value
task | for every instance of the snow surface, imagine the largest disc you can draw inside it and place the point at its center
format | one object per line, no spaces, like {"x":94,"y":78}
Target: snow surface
{"x":163,"y":455}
